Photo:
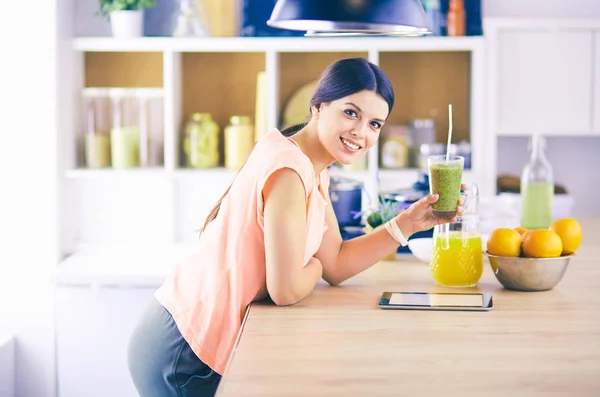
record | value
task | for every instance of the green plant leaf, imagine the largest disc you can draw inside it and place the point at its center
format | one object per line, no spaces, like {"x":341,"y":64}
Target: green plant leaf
{"x":108,"y":6}
{"x":374,"y":220}
{"x":385,"y":211}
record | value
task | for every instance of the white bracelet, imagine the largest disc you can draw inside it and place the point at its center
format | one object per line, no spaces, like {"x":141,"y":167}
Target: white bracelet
{"x":392,"y":227}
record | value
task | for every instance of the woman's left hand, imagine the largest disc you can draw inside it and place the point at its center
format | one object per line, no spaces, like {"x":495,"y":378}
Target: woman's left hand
{"x":419,"y":216}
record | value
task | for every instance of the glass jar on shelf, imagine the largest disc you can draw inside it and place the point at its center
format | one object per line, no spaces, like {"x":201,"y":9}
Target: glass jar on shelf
{"x":201,"y":141}
{"x":136,"y":134}
{"x":96,"y":124}
{"x":239,"y":141}
{"x":394,"y":147}
{"x":422,"y":131}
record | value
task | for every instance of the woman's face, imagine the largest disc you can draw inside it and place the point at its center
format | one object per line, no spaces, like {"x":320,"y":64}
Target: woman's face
{"x":350,"y":126}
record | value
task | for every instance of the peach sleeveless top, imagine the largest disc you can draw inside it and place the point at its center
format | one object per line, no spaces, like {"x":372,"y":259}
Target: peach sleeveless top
{"x":208,"y":293}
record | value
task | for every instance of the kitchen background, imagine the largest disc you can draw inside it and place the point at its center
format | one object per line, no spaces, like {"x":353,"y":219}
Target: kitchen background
{"x":48,"y":211}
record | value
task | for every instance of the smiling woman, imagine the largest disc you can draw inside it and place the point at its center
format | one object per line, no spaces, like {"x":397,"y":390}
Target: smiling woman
{"x":349,"y":106}
{"x":273,"y":234}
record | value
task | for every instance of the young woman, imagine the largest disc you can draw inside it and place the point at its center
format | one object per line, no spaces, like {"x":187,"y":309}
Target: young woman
{"x":273,"y":234}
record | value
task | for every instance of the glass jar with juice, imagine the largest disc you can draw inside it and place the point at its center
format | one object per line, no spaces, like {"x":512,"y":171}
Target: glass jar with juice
{"x":457,"y":259}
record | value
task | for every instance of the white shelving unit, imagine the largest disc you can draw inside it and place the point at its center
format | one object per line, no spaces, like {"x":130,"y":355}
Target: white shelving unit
{"x":277,"y":44}
{"x":164,"y":206}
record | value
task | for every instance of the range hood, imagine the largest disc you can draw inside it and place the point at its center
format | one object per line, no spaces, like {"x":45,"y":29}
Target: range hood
{"x":351,"y":17}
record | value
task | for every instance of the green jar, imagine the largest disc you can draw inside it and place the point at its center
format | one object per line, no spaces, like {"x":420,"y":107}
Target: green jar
{"x":201,"y":141}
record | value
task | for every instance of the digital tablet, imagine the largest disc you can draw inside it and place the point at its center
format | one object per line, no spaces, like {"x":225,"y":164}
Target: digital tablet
{"x":436,"y":301}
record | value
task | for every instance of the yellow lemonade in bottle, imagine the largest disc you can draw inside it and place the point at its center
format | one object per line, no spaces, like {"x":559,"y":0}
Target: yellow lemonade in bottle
{"x":460,"y":262}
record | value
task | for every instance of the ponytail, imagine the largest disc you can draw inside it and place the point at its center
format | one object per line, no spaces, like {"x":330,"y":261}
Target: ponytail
{"x":215,"y":211}
{"x":289,"y":131}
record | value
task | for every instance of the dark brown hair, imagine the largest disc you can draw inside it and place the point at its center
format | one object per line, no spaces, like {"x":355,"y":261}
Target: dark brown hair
{"x":341,"y":79}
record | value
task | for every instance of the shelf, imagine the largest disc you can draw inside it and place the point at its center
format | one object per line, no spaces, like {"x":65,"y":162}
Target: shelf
{"x":278,"y":44}
{"x":354,"y":174}
{"x":218,"y":172}
{"x":181,"y":173}
{"x":87,"y":173}
{"x":548,"y":134}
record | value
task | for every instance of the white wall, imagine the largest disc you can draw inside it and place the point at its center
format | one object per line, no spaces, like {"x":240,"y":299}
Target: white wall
{"x":541,"y":8}
{"x":7,"y":366}
{"x":28,"y":193}
{"x":28,"y":224}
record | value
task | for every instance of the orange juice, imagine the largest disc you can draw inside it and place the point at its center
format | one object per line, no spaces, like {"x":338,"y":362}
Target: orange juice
{"x":461,"y":263}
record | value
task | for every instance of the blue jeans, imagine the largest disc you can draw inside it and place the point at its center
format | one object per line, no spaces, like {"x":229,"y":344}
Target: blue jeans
{"x":161,"y":362}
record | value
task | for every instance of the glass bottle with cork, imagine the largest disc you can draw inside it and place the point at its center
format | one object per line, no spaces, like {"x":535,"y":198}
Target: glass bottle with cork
{"x":456,"y":20}
{"x":537,"y":188}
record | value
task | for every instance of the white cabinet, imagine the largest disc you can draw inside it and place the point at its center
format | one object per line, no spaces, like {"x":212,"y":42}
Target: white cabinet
{"x":543,"y":80}
{"x":93,"y":328}
{"x":7,"y":366}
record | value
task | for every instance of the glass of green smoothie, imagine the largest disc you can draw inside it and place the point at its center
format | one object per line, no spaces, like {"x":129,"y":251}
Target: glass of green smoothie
{"x":445,"y":176}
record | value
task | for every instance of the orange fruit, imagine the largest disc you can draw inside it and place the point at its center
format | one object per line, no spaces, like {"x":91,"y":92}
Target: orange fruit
{"x":569,"y":231}
{"x":521,"y":230}
{"x":542,"y":243}
{"x":504,"y":242}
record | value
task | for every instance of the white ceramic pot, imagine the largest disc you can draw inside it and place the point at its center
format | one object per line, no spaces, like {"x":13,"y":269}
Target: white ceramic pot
{"x":127,"y":23}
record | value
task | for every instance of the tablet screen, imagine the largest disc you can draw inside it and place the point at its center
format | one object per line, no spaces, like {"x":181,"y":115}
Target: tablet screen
{"x":433,"y":300}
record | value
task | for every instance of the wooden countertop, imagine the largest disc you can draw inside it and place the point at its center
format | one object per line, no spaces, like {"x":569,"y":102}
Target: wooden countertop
{"x":338,"y":342}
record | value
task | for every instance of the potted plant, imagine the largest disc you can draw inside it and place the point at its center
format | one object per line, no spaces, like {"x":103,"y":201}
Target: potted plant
{"x":126,"y":16}
{"x":385,"y":211}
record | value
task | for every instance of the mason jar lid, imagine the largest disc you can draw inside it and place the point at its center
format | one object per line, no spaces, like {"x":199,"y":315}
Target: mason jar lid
{"x":198,"y":116}
{"x":239,"y":120}
{"x":423,"y":123}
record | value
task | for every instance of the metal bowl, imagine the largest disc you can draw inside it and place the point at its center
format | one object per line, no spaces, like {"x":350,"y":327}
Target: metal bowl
{"x":529,"y":274}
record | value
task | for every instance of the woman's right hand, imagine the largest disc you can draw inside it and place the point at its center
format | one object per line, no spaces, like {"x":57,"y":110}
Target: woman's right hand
{"x":314,"y":262}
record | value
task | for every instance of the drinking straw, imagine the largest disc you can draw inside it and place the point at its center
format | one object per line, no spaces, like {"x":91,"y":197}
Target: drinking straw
{"x":449,"y":133}
{"x":445,"y":229}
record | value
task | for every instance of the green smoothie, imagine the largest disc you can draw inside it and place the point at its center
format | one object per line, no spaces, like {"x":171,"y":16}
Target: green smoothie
{"x":445,"y":180}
